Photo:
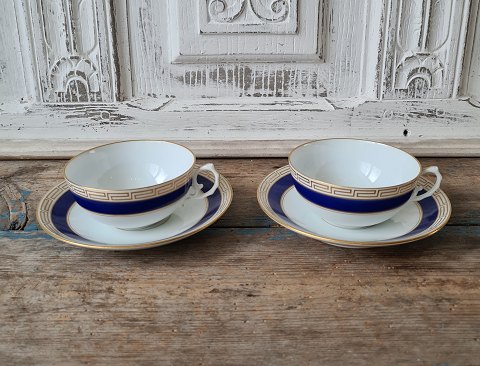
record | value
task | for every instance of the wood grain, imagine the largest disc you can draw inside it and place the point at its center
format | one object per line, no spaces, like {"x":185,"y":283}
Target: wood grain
{"x":242,"y":292}
{"x":241,"y":297}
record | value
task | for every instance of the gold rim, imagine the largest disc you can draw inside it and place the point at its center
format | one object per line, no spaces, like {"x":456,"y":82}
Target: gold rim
{"x":348,"y":187}
{"x":132,"y":189}
{"x":356,"y":244}
{"x":227,"y":197}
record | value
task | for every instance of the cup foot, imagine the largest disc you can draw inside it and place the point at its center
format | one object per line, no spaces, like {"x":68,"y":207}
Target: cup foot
{"x":151,"y":226}
{"x":349,"y":227}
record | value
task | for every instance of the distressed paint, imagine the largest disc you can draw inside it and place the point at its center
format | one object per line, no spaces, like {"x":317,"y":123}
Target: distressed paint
{"x":288,"y":89}
{"x":249,"y":104}
{"x":13,"y":214}
{"x":443,"y":127}
{"x":324,"y":57}
{"x":12,"y":83}
{"x":86,"y":51}
{"x":471,"y":75}
{"x":67,"y":46}
{"x":260,"y":33}
{"x":247,"y":16}
{"x":423,"y":50}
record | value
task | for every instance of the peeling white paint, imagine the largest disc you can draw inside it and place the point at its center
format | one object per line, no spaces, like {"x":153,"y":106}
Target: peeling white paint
{"x":248,"y":104}
{"x":340,"y":103}
{"x":252,"y":74}
{"x":148,"y":103}
{"x":323,"y":57}
{"x":471,"y":80}
{"x":13,"y":107}
{"x":442,"y":127}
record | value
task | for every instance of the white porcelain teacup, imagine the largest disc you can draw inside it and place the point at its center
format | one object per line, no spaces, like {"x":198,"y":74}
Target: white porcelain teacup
{"x":135,"y":184}
{"x":356,"y":183}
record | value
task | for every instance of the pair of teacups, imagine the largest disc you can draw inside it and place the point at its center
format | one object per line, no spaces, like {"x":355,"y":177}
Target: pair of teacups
{"x":350,"y":183}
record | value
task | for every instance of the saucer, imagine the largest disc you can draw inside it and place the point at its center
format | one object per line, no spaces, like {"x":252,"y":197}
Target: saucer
{"x":280,"y":200}
{"x":61,"y":217}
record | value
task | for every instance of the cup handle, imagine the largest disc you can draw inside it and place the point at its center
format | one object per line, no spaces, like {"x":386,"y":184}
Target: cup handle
{"x":196,"y":188}
{"x":432,"y":170}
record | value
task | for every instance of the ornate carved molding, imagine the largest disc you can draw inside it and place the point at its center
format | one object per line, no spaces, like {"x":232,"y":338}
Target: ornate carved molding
{"x":422,"y":48}
{"x":72,"y":44}
{"x":74,"y":79}
{"x":471,"y":71}
{"x":224,"y":11}
{"x":265,"y":30}
{"x":248,"y":16}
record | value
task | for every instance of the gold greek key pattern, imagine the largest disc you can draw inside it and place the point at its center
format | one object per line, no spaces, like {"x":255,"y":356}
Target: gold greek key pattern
{"x":441,"y":199}
{"x":268,"y":182}
{"x":132,"y":194}
{"x":351,"y":193}
{"x":44,"y":218}
{"x":46,"y":206}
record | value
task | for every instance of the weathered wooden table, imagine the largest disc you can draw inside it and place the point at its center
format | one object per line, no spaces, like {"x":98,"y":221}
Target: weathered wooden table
{"x":243,"y":292}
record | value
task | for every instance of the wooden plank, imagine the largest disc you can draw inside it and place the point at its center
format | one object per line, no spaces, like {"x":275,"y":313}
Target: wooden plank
{"x":241,"y":297}
{"x":427,"y":128}
{"x":32,"y":179}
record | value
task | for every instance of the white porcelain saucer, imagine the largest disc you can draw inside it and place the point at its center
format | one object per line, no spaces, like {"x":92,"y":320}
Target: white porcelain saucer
{"x":280,"y":200}
{"x":61,"y":217}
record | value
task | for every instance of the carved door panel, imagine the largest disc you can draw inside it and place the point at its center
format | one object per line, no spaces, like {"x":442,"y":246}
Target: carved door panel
{"x":295,"y":48}
{"x":255,"y":76}
{"x":67,"y":49}
{"x":424,"y":49}
{"x":86,"y":51}
{"x":282,"y":48}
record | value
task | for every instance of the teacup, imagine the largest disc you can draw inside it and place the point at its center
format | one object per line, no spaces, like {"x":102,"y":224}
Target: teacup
{"x":356,"y":183}
{"x":135,"y":184}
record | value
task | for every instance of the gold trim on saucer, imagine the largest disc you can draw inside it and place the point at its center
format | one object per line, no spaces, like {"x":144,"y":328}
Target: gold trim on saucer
{"x":47,"y":202}
{"x":443,"y":203}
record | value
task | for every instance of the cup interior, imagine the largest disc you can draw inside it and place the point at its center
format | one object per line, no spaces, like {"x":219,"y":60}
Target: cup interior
{"x":129,"y":165}
{"x":354,"y":163}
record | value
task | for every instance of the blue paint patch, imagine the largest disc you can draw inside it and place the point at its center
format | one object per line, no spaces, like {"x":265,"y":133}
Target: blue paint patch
{"x":21,"y":217}
{"x":281,"y":235}
{"x":15,"y":235}
{"x":25,"y":193}
{"x":31,"y":226}
{"x":252,"y":231}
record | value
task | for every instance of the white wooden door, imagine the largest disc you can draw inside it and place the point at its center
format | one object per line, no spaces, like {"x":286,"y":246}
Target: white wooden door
{"x":227,"y":75}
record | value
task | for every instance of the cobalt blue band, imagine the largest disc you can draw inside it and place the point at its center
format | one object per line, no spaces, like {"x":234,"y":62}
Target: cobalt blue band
{"x":132,"y":207}
{"x":352,"y":205}
{"x":275,"y":194}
